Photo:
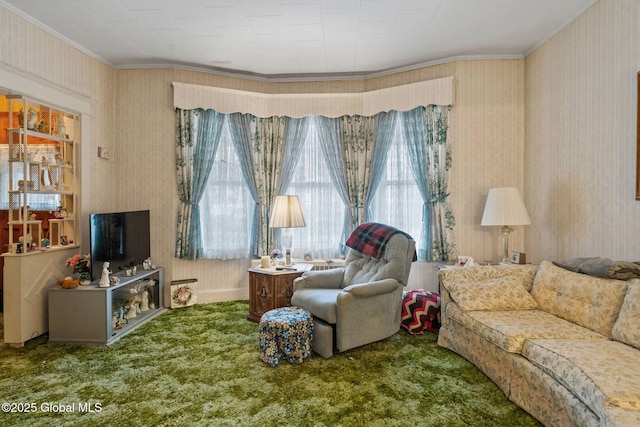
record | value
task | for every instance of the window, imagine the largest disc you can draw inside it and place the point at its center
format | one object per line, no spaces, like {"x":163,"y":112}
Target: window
{"x":227,"y":205}
{"x":226,"y":208}
{"x":398,"y":202}
{"x":321,"y":205}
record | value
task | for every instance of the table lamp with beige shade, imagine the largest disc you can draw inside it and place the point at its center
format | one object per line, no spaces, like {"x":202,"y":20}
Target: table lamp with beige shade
{"x":505,"y":208}
{"x":287,"y":214}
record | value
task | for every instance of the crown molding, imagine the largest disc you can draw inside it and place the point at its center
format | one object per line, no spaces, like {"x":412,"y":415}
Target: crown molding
{"x":289,"y":78}
{"x":297,"y":78}
{"x":559,"y":28}
{"x":54,"y":33}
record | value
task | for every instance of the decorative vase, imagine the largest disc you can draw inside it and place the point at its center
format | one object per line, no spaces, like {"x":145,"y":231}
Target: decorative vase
{"x":85,"y":278}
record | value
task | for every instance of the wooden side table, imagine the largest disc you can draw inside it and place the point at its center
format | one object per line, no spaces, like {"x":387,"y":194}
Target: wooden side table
{"x":268,"y":289}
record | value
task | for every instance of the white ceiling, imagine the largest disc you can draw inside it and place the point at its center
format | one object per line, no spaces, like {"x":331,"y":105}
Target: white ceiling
{"x":298,"y":39}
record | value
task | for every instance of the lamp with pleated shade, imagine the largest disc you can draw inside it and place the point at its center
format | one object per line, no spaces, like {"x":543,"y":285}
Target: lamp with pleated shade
{"x":505,"y":208}
{"x":287,"y":214}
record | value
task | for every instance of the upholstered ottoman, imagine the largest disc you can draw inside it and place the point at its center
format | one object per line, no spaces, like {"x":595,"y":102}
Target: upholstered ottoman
{"x":285,"y":333}
{"x":420,"y":311}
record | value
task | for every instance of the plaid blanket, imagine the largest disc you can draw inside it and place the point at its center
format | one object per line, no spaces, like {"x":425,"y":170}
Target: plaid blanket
{"x":370,"y":238}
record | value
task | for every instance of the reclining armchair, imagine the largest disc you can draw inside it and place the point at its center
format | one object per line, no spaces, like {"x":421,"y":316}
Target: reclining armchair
{"x":359,"y":303}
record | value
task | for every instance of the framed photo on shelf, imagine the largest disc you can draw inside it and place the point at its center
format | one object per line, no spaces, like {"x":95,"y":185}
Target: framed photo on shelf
{"x":518,"y":258}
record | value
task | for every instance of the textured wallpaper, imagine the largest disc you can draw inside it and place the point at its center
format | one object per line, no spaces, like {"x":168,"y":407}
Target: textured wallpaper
{"x":486,"y":129}
{"x":559,"y":125}
{"x":132,"y":114}
{"x":28,"y":50}
{"x":580,"y":139}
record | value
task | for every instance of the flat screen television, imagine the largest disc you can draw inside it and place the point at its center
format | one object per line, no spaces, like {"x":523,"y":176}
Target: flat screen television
{"x":122,"y":238}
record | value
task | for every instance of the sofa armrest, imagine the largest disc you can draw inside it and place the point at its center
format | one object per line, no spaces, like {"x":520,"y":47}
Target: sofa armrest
{"x":321,"y":279}
{"x":370,"y":289}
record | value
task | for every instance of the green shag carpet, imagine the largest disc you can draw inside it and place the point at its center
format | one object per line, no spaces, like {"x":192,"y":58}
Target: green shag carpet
{"x":200,"y":366}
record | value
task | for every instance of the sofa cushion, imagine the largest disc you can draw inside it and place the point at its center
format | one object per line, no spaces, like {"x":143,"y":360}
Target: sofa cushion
{"x":502,"y":293}
{"x":509,"y":330}
{"x":600,"y":373}
{"x":627,"y":327}
{"x":620,"y":417}
{"x":588,"y":301}
{"x":525,"y":273}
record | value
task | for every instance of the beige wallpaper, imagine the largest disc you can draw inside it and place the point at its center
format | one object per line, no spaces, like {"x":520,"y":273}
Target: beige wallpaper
{"x":487,"y":126}
{"x":32,"y":52}
{"x":580,"y":144}
{"x":132,"y":114}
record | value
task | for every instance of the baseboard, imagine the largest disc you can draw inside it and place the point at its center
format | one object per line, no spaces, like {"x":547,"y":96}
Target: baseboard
{"x":209,"y":296}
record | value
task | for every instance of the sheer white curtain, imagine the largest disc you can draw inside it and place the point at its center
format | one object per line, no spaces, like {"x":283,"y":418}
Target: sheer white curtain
{"x":226,"y":206}
{"x":398,"y":202}
{"x":323,"y":210}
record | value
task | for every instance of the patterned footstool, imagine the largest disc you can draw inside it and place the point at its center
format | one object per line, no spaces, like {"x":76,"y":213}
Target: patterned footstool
{"x":420,"y":311}
{"x":285,"y":333}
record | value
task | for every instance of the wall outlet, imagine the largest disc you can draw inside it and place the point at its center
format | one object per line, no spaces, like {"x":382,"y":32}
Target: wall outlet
{"x":104,"y":153}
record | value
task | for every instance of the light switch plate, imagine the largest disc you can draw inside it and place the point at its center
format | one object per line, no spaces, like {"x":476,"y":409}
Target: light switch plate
{"x":104,"y":153}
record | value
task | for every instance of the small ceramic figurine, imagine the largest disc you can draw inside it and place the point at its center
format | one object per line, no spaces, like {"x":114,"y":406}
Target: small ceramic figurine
{"x":45,"y":178}
{"x":61,"y":129}
{"x":132,"y":310}
{"x":104,"y":279}
{"x":144,"y":301}
{"x":32,"y":116}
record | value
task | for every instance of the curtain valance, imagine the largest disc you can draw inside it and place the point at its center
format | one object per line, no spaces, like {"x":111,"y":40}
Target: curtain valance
{"x":188,"y":96}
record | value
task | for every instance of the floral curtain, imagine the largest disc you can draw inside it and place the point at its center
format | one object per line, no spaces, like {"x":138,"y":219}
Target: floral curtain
{"x":358,"y":150}
{"x":269,"y":149}
{"x":355,"y":149}
{"x":197,"y":137}
{"x":296,"y":132}
{"x":430,"y":158}
{"x":268,"y":140}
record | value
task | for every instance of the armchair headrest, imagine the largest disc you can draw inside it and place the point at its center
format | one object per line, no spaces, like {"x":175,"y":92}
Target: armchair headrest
{"x":390,"y":255}
{"x":371,"y":238}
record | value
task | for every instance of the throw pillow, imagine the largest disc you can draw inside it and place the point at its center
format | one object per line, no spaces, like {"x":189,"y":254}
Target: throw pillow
{"x":502,"y":293}
{"x":627,"y":327}
{"x":585,"y":300}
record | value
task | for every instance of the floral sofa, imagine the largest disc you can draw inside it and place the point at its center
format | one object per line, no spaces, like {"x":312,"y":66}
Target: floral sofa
{"x":564,"y":346}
